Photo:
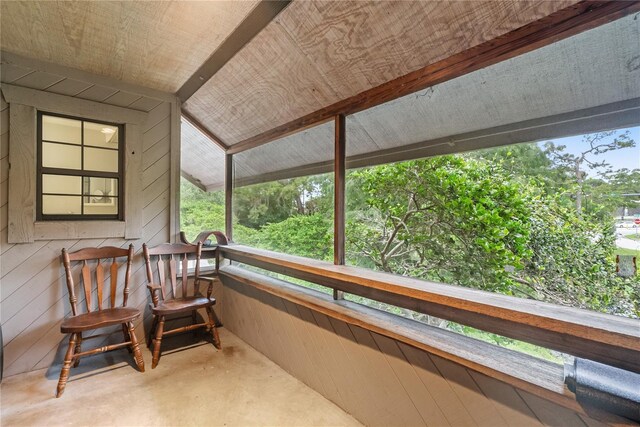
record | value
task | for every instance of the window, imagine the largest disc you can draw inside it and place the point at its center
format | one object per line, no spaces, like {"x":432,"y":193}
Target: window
{"x":533,"y":220}
{"x":25,"y":223}
{"x":279,"y":203}
{"x":80,"y":169}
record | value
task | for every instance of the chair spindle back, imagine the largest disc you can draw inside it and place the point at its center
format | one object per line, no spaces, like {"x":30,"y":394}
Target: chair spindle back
{"x":99,"y":255}
{"x":168,"y":255}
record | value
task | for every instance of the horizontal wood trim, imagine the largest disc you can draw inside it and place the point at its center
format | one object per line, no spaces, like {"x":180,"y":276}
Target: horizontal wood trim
{"x":557,"y":26}
{"x":67,"y":230}
{"x":62,"y":104}
{"x":604,"y":117}
{"x":536,"y":376}
{"x":83,"y":76}
{"x":604,"y":338}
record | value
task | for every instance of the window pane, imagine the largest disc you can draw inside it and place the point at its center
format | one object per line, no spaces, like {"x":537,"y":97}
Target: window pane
{"x":100,"y":187}
{"x":100,"y":135}
{"x":97,"y":159}
{"x":61,"y":205}
{"x":61,"y":184}
{"x":61,"y":130}
{"x":61,"y":156}
{"x":281,"y":205}
{"x":103,"y":206}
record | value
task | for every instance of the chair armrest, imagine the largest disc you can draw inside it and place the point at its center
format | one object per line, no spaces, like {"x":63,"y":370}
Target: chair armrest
{"x":211,"y":281}
{"x":152,"y":289}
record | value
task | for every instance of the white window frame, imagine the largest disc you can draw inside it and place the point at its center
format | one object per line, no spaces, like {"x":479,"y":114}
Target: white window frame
{"x":22,"y":225}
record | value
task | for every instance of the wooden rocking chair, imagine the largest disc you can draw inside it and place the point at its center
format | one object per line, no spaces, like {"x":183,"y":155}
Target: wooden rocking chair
{"x":176,"y":299}
{"x":99,"y":317}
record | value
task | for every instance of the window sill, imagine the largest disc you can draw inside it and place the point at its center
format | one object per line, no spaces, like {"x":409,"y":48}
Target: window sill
{"x":65,"y":230}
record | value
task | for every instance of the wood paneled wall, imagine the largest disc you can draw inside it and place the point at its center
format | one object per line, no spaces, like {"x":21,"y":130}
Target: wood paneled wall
{"x":378,"y":380}
{"x":33,"y":296}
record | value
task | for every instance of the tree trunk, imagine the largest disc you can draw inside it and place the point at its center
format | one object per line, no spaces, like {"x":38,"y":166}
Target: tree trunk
{"x":579,"y":179}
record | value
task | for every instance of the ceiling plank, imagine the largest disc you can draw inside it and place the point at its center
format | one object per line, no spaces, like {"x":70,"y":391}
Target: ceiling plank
{"x":254,"y":22}
{"x":14,"y":60}
{"x":559,"y":25}
{"x":203,"y":130}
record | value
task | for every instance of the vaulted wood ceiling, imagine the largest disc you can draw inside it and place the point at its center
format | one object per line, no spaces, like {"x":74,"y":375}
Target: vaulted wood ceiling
{"x":154,"y":44}
{"x":316,"y":53}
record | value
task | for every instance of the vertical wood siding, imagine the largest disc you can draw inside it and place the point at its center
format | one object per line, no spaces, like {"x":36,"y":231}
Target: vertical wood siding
{"x":33,"y":296}
{"x":380,"y":381}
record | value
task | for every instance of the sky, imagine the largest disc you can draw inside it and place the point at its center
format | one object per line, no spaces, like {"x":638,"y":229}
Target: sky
{"x":624,"y":158}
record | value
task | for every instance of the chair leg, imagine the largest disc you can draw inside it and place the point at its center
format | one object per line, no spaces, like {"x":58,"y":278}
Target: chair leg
{"x":77,"y":350}
{"x":213,"y":329}
{"x":216,"y":319}
{"x":194,"y":320}
{"x":135,"y":347}
{"x":68,"y":358}
{"x":152,"y":330}
{"x":125,"y":332}
{"x":156,"y":343}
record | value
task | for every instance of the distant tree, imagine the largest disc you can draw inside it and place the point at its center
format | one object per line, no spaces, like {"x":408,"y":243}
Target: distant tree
{"x":261,"y":204}
{"x":575,"y":165}
{"x":523,"y":162}
{"x":617,"y":189}
{"x":200,"y":210}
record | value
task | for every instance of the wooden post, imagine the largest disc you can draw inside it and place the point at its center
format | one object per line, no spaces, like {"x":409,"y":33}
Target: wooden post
{"x":339,"y":197}
{"x":228,"y":196}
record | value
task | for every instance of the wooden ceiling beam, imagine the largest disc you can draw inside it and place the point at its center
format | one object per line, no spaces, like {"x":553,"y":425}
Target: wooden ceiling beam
{"x":203,"y":130}
{"x":552,"y":28}
{"x":193,"y":180}
{"x":255,"y":21}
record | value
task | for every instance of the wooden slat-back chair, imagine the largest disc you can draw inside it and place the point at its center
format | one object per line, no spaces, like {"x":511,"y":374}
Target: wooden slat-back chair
{"x":170,"y":293}
{"x":98,"y":313}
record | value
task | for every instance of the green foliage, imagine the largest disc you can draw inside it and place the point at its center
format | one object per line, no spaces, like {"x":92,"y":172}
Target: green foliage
{"x":310,"y":236}
{"x":201,"y":211}
{"x":261,"y":204}
{"x":450,"y":219}
{"x":468,"y":221}
{"x":572,"y":261}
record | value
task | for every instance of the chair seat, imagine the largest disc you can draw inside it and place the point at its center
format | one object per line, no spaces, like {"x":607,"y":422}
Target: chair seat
{"x":183,"y":304}
{"x":99,"y":319}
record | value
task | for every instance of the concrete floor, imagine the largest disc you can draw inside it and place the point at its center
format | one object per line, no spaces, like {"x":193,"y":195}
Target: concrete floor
{"x":192,"y":385}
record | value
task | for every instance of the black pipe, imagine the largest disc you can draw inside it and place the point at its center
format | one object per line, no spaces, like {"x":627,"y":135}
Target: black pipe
{"x":606,"y":387}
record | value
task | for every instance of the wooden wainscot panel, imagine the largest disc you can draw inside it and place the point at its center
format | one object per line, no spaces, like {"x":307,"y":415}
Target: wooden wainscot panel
{"x":388,"y":370}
